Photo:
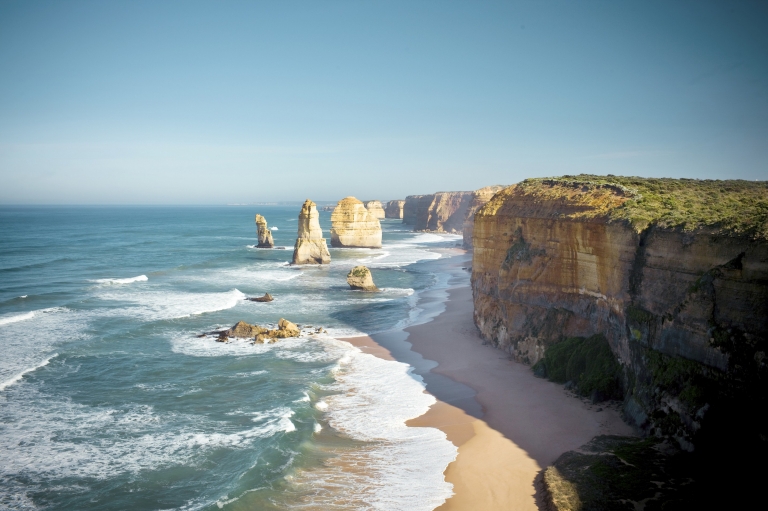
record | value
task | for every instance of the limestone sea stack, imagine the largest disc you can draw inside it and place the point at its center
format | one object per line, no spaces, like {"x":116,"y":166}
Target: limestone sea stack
{"x":310,"y":245}
{"x":394,"y":209}
{"x":352,"y":225}
{"x":359,"y":278}
{"x":479,"y":198}
{"x":264,"y":234}
{"x":374,"y":208}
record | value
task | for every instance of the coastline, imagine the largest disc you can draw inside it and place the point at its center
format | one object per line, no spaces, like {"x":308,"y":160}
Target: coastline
{"x":507,"y":424}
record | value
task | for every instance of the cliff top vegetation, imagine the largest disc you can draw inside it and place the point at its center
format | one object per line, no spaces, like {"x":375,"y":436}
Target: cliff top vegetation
{"x":734,"y":206}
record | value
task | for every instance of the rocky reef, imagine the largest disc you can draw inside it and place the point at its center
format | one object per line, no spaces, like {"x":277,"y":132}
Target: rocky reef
{"x":394,"y":209}
{"x":243,"y":330}
{"x":669,"y":276}
{"x":310,"y":245}
{"x":359,"y":278}
{"x":439,"y":212}
{"x":352,"y":225}
{"x":263,"y":233}
{"x":375,"y":208}
{"x":479,"y":198}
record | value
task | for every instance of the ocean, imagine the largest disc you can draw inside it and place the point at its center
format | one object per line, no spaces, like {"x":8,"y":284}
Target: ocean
{"x":109,"y":400}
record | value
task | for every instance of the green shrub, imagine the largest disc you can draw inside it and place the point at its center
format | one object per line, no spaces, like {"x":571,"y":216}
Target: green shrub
{"x":586,"y":361}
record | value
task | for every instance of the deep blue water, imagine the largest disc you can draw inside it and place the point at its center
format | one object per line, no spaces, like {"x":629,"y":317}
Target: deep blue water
{"x":109,"y":400}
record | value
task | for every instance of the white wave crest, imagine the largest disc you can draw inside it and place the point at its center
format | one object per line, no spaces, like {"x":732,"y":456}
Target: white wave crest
{"x":19,"y":317}
{"x":274,"y":228}
{"x":131,"y":280}
{"x":18,"y":377}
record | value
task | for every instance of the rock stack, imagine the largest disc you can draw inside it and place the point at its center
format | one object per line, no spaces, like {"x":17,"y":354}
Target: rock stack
{"x":264,"y":234}
{"x":374,"y":208}
{"x":310,"y":245}
{"x":352,"y":225}
{"x":360,"y":278}
{"x":394,"y":209}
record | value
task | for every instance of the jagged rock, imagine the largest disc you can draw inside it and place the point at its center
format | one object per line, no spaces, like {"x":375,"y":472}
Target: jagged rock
{"x":375,"y":209}
{"x":243,"y":329}
{"x":266,"y":298}
{"x":394,"y":209}
{"x":360,"y":278}
{"x":264,"y":234}
{"x":352,"y":225}
{"x":479,"y":198}
{"x":310,"y":245}
{"x":284,"y":329}
{"x":438,"y":212}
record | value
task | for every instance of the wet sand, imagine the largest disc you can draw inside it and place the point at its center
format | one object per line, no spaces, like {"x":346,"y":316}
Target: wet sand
{"x":506,"y":423}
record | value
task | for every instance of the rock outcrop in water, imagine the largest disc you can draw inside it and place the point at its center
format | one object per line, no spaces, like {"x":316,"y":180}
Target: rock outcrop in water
{"x":310,"y":245}
{"x":360,"y":278}
{"x":375,"y":209}
{"x":672,"y":275}
{"x":243,"y":330}
{"x":439,"y":212}
{"x":266,"y":298}
{"x":352,"y":225}
{"x":263,"y":232}
{"x":284,"y":330}
{"x":394,"y":209}
{"x":479,"y":198}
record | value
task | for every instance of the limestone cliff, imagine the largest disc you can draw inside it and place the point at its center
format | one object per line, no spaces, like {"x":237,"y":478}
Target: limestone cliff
{"x":310,"y":245}
{"x":352,"y":225}
{"x":479,"y":198}
{"x":394,"y":209}
{"x":263,"y":233}
{"x":673,"y":273}
{"x":375,"y":209}
{"x":439,"y":212}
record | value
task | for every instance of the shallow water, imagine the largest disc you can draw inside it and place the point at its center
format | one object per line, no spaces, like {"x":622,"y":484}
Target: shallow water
{"x":108,"y":400}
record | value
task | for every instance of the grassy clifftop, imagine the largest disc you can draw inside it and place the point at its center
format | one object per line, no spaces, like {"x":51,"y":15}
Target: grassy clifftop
{"x":733,"y":206}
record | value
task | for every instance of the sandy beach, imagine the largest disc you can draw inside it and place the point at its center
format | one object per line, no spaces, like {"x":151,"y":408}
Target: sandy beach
{"x":506,"y":423}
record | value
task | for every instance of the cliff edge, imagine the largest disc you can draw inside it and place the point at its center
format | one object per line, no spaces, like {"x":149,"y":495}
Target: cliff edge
{"x":439,"y":212}
{"x":672,"y":275}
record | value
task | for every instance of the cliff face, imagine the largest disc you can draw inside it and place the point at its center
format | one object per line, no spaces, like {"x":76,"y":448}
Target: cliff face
{"x":263,"y":233}
{"x":394,"y":209}
{"x":375,"y":209}
{"x":684,"y":311}
{"x":479,"y":199}
{"x":352,"y":225}
{"x":439,"y":212}
{"x":310,"y":245}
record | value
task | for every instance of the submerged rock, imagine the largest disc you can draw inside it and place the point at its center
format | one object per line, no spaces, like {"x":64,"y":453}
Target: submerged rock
{"x":352,"y":225}
{"x":360,"y":278}
{"x":266,"y":298}
{"x":310,"y":245}
{"x":264,"y":234}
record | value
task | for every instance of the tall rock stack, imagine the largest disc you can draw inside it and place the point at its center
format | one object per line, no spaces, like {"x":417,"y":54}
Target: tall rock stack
{"x":264,"y":234}
{"x":411,"y":207}
{"x":394,"y":209}
{"x":352,"y":225}
{"x":374,"y":208}
{"x":310,"y":245}
{"x":479,"y":198}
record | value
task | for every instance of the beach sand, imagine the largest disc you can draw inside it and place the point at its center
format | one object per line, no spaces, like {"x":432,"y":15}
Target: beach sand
{"x":506,"y":423}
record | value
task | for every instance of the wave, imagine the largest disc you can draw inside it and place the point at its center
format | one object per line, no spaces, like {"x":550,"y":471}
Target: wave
{"x":20,"y":317}
{"x":19,"y":376}
{"x":274,"y":228}
{"x":131,"y":280}
{"x":159,"y":305}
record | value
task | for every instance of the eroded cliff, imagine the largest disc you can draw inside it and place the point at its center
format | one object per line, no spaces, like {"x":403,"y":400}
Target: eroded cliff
{"x":439,"y":212}
{"x":479,"y":199}
{"x":394,"y":209}
{"x":673,"y":273}
{"x":375,"y":208}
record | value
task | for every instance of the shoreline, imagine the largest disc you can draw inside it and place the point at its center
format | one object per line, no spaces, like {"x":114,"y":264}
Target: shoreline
{"x":507,"y":424}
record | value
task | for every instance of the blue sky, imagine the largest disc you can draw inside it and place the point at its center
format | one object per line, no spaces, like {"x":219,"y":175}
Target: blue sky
{"x":223,"y":102}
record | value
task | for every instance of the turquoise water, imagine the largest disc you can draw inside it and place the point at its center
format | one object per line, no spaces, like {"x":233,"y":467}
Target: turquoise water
{"x":109,"y":400}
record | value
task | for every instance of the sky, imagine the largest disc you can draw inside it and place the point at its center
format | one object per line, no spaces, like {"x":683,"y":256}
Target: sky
{"x":183,"y":102}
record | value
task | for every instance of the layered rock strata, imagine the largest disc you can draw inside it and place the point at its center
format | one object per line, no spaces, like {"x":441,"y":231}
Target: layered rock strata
{"x":479,"y":198}
{"x":360,"y":278}
{"x":263,"y":233}
{"x":679,"y":289}
{"x":310,"y":247}
{"x":439,"y":212}
{"x":394,"y":209}
{"x":375,"y":209}
{"x":352,"y":225}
